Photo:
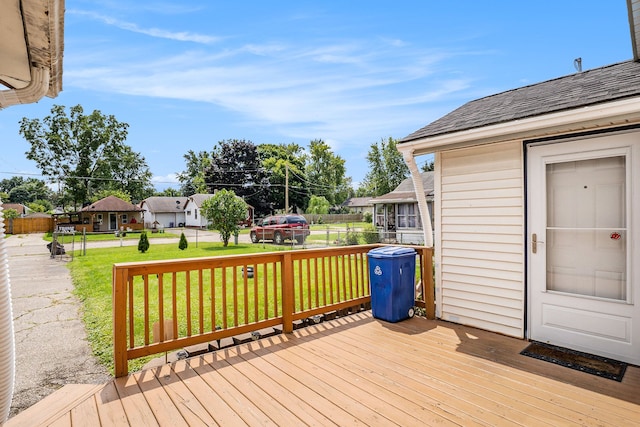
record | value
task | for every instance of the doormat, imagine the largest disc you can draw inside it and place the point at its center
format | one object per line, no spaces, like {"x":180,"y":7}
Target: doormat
{"x":589,"y":363}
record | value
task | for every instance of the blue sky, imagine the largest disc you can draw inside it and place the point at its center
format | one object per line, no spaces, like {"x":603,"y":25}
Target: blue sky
{"x":185,"y":75}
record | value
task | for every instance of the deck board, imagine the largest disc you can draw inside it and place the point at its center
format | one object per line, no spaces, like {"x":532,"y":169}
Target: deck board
{"x":355,"y":370}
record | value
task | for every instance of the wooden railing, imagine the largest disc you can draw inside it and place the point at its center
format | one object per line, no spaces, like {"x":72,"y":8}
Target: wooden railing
{"x":162,"y":306}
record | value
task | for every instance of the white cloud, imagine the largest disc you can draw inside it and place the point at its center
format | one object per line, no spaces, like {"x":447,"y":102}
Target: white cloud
{"x":153,"y":32}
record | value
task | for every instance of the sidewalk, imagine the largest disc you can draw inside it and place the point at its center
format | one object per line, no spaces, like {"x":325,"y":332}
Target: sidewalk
{"x":51,"y":342}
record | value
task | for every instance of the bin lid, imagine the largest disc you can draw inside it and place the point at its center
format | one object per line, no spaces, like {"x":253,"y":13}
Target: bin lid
{"x":390,"y":252}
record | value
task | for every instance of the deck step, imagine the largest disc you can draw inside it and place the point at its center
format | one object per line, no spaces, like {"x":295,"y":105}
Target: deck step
{"x":54,"y":406}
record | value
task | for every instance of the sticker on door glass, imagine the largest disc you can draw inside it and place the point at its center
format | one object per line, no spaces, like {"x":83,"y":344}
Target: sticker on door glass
{"x":377,"y":271}
{"x":615,"y":236}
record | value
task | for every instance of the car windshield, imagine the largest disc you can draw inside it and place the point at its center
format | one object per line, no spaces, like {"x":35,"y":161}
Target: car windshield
{"x":297,"y":220}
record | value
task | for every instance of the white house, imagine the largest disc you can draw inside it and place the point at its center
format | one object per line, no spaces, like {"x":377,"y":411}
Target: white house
{"x":193,"y":218}
{"x":537,"y":210}
{"x":164,"y":211}
{"x":396,"y":214}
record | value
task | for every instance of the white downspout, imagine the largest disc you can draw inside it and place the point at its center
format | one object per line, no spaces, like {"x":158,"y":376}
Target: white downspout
{"x":33,"y":92}
{"x":7,"y":344}
{"x":416,"y":177}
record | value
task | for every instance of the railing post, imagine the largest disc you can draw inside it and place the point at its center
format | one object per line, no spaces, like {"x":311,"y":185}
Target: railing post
{"x":428,"y":285}
{"x":287,"y":293}
{"x":121,"y":362}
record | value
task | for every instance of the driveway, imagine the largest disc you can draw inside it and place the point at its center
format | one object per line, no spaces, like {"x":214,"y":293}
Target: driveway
{"x":51,"y":342}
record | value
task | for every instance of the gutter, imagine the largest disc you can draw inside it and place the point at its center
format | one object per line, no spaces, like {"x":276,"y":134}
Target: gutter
{"x":33,"y":92}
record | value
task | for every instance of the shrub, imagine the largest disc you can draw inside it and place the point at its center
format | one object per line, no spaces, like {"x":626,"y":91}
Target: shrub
{"x":183,"y":242}
{"x":143,"y":243}
{"x":367,"y":217}
{"x":370,"y":234}
{"x":352,"y":237}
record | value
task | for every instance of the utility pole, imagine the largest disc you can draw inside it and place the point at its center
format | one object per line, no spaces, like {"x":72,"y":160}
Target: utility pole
{"x":286,"y":188}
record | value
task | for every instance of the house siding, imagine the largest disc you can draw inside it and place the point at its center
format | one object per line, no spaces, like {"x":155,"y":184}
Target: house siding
{"x":480,"y":254}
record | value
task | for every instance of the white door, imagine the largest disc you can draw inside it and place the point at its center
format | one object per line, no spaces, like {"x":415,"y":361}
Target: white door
{"x":583,"y":245}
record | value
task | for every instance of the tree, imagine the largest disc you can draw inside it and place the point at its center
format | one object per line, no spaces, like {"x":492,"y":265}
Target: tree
{"x":84,"y":153}
{"x":224,"y":210}
{"x":192,"y":179}
{"x":318,"y":205}
{"x":235,"y":165}
{"x":326,"y":173}
{"x":169,"y":192}
{"x":280,"y":161}
{"x":183,"y":244}
{"x":387,"y":169}
{"x":428,"y":166}
{"x":11,"y":213}
{"x":143,"y":243}
{"x":106,"y":193}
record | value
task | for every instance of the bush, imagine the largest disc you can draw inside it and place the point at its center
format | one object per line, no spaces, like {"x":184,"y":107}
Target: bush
{"x":367,"y":217}
{"x":370,"y":234}
{"x":183,"y":242}
{"x":143,"y":243}
{"x":352,"y":237}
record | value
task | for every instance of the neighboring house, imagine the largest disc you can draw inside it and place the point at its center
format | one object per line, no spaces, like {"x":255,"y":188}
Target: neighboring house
{"x":194,"y":218}
{"x":396,"y":213}
{"x":537,"y":210}
{"x":359,"y":205}
{"x":18,"y":207}
{"x":108,"y":214}
{"x":164,"y":211}
{"x":112,"y":213}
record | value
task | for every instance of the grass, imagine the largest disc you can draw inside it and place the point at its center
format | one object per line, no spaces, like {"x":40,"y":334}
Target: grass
{"x":92,"y":278}
{"x":100,"y":237}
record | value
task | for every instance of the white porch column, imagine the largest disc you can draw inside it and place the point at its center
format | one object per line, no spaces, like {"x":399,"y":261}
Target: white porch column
{"x":416,"y":177}
{"x":7,"y":344}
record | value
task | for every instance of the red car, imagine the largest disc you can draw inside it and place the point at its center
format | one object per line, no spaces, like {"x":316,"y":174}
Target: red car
{"x":279,"y":228}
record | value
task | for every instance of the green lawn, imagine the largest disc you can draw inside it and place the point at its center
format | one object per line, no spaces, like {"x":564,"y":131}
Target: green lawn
{"x":93,"y":284}
{"x":99,"y":237}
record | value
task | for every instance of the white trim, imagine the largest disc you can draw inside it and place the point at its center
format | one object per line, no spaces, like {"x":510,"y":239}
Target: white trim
{"x":600,"y":115}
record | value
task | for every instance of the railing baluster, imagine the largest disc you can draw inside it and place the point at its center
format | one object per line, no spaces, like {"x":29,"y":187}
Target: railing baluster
{"x":161,"y":306}
{"x":255,"y":292}
{"x":145,"y":302}
{"x":174,"y":303}
{"x":235,"y":295}
{"x":213,"y":298}
{"x":245,"y":282}
{"x":201,"y":301}
{"x":308,"y":268}
{"x":188,"y":300}
{"x":224,"y":297}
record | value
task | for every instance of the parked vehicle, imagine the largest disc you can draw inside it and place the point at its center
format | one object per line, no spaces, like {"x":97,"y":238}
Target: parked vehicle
{"x":279,"y":228}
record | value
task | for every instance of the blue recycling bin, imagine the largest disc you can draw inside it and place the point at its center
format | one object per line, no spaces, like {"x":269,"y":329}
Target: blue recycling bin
{"x":392,"y":271}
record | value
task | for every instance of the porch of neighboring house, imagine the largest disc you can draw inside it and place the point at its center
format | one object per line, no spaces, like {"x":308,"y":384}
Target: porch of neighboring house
{"x":335,"y":364}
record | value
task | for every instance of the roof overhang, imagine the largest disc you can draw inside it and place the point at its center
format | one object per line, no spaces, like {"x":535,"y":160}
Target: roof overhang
{"x":31,"y":50}
{"x":603,"y":115}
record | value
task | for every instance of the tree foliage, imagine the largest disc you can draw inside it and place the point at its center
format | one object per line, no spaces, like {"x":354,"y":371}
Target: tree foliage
{"x":318,"y":205}
{"x":20,"y":190}
{"x":106,"y":193}
{"x":326,"y":173}
{"x":235,"y":165}
{"x":85,"y":153}
{"x":278,"y":161}
{"x":387,"y":169}
{"x":192,"y":179}
{"x":225,"y":211}
{"x":183,"y":244}
{"x":143,"y":243}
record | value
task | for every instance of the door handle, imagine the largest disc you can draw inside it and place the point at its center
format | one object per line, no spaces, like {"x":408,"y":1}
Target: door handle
{"x":534,"y":243}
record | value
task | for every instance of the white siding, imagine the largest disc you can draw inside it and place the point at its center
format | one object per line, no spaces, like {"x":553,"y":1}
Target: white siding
{"x":480,"y":241}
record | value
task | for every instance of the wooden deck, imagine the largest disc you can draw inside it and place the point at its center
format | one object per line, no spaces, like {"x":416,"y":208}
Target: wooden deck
{"x":354,"y":370}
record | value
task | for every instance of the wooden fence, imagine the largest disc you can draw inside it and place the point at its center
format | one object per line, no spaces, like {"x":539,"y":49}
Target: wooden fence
{"x":168,"y":305}
{"x":28,"y":225}
{"x":332,"y":218}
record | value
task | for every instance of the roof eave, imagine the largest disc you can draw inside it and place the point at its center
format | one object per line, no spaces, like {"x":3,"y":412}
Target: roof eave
{"x":595,"y":116}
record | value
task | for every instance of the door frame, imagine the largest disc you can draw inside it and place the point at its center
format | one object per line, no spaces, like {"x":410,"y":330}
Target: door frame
{"x":591,"y":144}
